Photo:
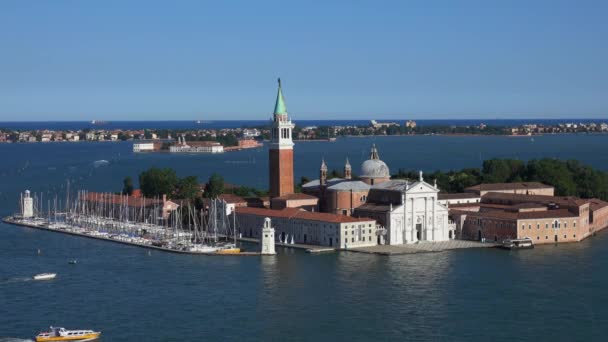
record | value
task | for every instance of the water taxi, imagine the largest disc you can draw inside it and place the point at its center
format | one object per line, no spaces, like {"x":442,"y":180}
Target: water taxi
{"x":45,"y":276}
{"x":525,"y":243}
{"x":61,"y":334}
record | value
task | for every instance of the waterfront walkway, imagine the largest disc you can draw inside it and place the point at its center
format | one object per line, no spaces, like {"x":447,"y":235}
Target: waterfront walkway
{"x":422,"y":247}
{"x":307,"y":248}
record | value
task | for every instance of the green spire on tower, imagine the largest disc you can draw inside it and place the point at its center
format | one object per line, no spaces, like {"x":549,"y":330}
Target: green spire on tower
{"x":279,"y":107}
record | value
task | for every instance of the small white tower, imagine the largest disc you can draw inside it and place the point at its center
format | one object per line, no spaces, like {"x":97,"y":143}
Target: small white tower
{"x":27,"y":206}
{"x":267,"y":239}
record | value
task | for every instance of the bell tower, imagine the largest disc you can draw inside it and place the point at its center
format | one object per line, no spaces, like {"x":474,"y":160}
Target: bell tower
{"x":348,"y":170}
{"x":280,"y":150}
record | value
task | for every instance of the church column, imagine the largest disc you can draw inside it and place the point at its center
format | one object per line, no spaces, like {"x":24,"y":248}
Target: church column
{"x":414,"y":238}
{"x":426,"y":219}
{"x":433,"y":220}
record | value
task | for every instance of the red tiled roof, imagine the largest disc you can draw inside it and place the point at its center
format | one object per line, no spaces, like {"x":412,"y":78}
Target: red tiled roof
{"x":527,"y":215}
{"x":562,"y":200}
{"x":509,"y":186}
{"x":121,"y":199}
{"x":596,"y":204}
{"x":231,"y":198}
{"x":296,"y":196}
{"x":293,"y":213}
{"x":449,"y":196}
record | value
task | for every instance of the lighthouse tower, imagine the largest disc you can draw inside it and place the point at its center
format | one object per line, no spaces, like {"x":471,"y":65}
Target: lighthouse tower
{"x":267,"y":238}
{"x":281,"y":150}
{"x":27,"y":205}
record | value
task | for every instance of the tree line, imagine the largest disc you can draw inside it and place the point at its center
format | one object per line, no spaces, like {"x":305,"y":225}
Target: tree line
{"x":570,"y":177}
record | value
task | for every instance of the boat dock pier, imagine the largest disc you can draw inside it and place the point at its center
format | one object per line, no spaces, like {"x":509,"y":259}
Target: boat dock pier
{"x":308,"y":248}
{"x":43,"y":225}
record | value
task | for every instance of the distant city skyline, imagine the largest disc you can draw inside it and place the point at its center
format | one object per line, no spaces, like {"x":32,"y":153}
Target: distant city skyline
{"x":196,"y":60}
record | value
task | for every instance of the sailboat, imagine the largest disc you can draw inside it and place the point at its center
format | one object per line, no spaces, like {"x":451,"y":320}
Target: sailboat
{"x":229,"y":248}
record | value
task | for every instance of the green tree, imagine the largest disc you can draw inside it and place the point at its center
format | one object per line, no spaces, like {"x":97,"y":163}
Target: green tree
{"x":215,"y":186}
{"x":127,"y":187}
{"x":157,"y":182}
{"x":187,"y":188}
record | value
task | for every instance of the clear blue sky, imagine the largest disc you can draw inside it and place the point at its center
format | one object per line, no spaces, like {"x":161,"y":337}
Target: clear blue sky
{"x":170,"y":60}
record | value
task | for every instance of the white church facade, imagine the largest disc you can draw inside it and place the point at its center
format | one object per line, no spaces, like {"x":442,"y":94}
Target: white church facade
{"x":407,"y":212}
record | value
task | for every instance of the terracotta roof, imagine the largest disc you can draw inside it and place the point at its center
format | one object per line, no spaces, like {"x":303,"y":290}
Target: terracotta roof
{"x":296,"y":196}
{"x":596,"y":204}
{"x":527,"y":215}
{"x":293,"y":213}
{"x":231,"y":198}
{"x":449,"y":196}
{"x":509,"y":186}
{"x":561,"y":200}
{"x":122,"y":199}
{"x":374,"y":207}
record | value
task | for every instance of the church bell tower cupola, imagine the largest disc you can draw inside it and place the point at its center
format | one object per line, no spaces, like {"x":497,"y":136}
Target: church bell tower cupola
{"x":348,"y":171}
{"x":281,"y":125}
{"x":323,"y":174}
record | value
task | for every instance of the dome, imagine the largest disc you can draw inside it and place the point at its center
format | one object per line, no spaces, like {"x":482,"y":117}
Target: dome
{"x":374,"y":168}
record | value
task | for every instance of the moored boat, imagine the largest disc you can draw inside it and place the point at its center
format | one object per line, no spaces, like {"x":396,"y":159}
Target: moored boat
{"x":61,"y":334}
{"x":229,"y":248}
{"x":524,"y":243}
{"x":45,"y":276}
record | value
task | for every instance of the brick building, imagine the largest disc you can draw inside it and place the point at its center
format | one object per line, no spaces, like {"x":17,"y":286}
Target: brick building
{"x":544,"y":219}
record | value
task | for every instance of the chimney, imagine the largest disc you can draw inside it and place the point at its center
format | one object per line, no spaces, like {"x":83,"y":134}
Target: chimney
{"x":164,"y":198}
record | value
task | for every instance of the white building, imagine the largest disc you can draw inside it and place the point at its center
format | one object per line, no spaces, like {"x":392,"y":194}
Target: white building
{"x":408,"y":212}
{"x":143,"y":147}
{"x":267,"y":238}
{"x":251,"y":133}
{"x":311,"y":228}
{"x":447,"y":199}
{"x":27,"y":205}
{"x":197,"y":147}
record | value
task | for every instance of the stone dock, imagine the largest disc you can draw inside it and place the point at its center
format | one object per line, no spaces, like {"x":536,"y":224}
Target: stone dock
{"x":43,"y":226}
{"x":422,"y":247}
{"x":63,"y":231}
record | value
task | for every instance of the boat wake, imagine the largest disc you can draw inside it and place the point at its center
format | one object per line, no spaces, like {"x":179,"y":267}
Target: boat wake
{"x":14,"y":339}
{"x":101,"y":162}
{"x":12,"y":281}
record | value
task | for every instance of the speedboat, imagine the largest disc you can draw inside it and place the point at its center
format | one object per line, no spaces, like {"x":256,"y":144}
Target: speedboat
{"x":61,"y":334}
{"x":45,"y":276}
{"x":524,"y":243}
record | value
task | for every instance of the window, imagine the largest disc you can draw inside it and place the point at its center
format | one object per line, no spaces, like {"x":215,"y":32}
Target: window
{"x":346,"y":232}
{"x":523,"y":226}
{"x":370,"y":238}
{"x":538,"y":238}
{"x":574,"y":235}
{"x":565,"y":224}
{"x":529,"y":226}
{"x":353,"y":239}
{"x":265,"y":235}
{"x":565,"y":236}
{"x":538,"y":226}
{"x":546,"y":237}
{"x":346,"y":240}
{"x":573,"y":224}
{"x":546,"y":225}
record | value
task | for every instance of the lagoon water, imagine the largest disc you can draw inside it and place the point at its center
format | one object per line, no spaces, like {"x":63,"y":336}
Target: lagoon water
{"x":549,"y":293}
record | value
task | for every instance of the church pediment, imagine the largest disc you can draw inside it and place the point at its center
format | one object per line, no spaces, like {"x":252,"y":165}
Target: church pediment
{"x":421,"y":187}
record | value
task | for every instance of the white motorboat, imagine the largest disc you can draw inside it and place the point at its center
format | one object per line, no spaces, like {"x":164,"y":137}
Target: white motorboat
{"x":45,"y":276}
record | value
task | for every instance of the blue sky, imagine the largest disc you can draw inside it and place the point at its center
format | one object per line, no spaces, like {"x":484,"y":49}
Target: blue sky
{"x":172,"y":60}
